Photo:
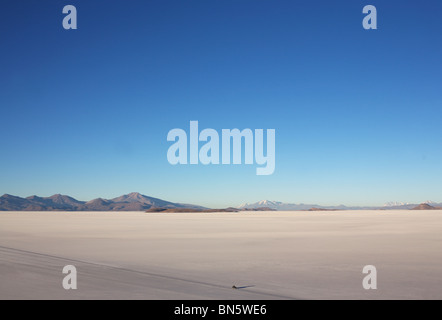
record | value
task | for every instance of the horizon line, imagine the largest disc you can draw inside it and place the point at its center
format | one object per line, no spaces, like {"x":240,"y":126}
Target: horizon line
{"x":387,"y":204}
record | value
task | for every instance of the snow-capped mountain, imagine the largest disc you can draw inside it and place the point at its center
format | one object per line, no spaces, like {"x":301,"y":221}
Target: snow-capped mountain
{"x":281,"y":206}
{"x":395,"y":204}
{"x":260,"y":204}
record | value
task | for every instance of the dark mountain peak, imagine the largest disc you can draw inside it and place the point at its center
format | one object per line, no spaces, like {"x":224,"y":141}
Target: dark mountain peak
{"x":98,"y":201}
{"x":63,"y":199}
{"x":134,"y":194}
{"x":58,"y":196}
{"x":9,"y":196}
{"x":99,"y":204}
{"x":12,"y":203}
{"x":35,"y":198}
{"x":133,"y":197}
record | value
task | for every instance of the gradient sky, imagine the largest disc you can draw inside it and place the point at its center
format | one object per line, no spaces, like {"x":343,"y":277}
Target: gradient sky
{"x":357,"y":113}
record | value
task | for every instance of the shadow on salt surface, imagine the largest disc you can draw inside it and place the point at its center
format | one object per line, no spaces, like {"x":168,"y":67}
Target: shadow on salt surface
{"x":41,"y":278}
{"x":243,"y":287}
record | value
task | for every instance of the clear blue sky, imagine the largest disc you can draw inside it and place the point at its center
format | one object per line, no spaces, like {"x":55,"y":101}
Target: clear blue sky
{"x":357,"y":113}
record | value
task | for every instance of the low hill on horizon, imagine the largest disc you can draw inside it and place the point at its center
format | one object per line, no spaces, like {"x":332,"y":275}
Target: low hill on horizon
{"x":426,"y":206}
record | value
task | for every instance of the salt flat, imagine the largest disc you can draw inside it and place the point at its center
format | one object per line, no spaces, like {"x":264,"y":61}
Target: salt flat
{"x":269,"y":255}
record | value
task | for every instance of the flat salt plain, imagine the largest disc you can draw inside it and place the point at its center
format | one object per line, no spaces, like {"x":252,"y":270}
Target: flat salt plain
{"x":268,"y":255}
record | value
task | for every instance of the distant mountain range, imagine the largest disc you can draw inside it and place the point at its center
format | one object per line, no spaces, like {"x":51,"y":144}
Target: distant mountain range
{"x":282,"y":206}
{"x":129,"y":202}
{"x":137,"y":202}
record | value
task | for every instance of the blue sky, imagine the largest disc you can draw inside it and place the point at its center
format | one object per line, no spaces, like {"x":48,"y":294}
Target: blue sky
{"x":357,"y":113}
